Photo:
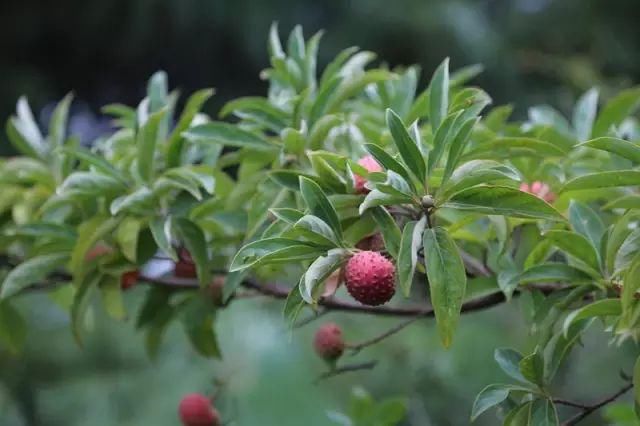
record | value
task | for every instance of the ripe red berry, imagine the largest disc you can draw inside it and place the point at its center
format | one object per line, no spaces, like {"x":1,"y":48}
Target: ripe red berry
{"x":129,"y":279}
{"x":540,"y":190}
{"x":369,"y":278}
{"x":215,"y":290}
{"x":328,"y":342}
{"x":196,"y":410}
{"x":371,"y":165}
{"x":185,"y":267}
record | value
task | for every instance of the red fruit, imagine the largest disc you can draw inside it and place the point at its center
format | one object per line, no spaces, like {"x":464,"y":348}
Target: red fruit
{"x":540,"y":190}
{"x":129,"y":279}
{"x":215,"y":290}
{"x":96,"y":251}
{"x":371,"y":165}
{"x":369,"y":278}
{"x":328,"y":342}
{"x":185,"y":269}
{"x":196,"y":410}
{"x":373,"y":242}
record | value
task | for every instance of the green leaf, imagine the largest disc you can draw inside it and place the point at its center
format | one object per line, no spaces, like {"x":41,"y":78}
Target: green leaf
{"x":111,"y":291}
{"x":447,"y":280}
{"x":293,"y":305}
{"x":157,"y":89}
{"x":617,"y":236}
{"x":319,"y":271}
{"x":197,"y":317}
{"x":147,"y":141}
{"x":621,"y":147}
{"x":89,"y":233}
{"x":90,"y":184}
{"x":472,"y":173}
{"x":389,"y":229}
{"x":489,"y":397}
{"x":272,"y":250}
{"x":389,"y":163}
{"x":603,"y":180}
{"x":99,"y":163}
{"x":511,"y":146}
{"x":631,"y":284}
{"x":379,"y":198}
{"x":616,"y":110}
{"x":502,"y":200}
{"x":228,"y":135}
{"x":543,"y":413}
{"x":127,"y":237}
{"x":319,"y":205}
{"x":290,"y":179}
{"x":81,"y":303}
{"x":575,"y":245}
{"x":584,"y":114}
{"x":532,"y":368}
{"x":553,"y":272}
{"x":161,"y":232}
{"x":439,"y":94}
{"x":559,"y":347}
{"x":442,"y":139}
{"x":316,"y":230}
{"x":140,"y":200}
{"x":465,"y":74}
{"x":600,"y":308}
{"x":408,"y":254}
{"x":457,"y":146}
{"x":586,"y":221}
{"x":287,"y":215}
{"x":407,"y":148}
{"x":58,"y":122}
{"x":24,"y":133}
{"x":194,"y":240}
{"x":13,"y":328}
{"x":258,"y":109}
{"x":175,"y":141}
{"x":509,"y":361}
{"x":625,"y":202}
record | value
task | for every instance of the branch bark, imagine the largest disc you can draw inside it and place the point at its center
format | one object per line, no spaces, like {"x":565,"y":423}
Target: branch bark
{"x":586,"y":410}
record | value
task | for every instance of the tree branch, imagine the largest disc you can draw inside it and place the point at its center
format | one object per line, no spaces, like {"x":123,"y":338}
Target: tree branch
{"x":370,"y":365}
{"x":588,"y":409}
{"x":355,"y":348}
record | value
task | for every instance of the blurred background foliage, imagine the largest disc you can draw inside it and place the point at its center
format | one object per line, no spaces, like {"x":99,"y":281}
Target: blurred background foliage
{"x":534,"y":51}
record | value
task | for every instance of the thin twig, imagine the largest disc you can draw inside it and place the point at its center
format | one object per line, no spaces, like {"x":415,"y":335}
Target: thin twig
{"x":310,"y":318}
{"x":369,"y":365}
{"x":588,"y":409}
{"x":355,"y":348}
{"x":474,"y":266}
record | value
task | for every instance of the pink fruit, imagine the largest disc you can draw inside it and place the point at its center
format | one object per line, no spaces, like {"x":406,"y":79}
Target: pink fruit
{"x":369,"y":278}
{"x":328,"y":342}
{"x":540,"y":190}
{"x":371,"y":165}
{"x":196,"y":410}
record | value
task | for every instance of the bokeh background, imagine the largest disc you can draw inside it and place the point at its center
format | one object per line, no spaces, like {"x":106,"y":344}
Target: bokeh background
{"x":534,"y":51}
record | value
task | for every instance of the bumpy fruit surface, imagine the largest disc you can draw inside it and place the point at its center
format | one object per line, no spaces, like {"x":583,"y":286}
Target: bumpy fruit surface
{"x":328,"y":342}
{"x":196,"y":410}
{"x":369,"y":278}
{"x":371,"y":165}
{"x":540,"y":190}
{"x":129,"y":279}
